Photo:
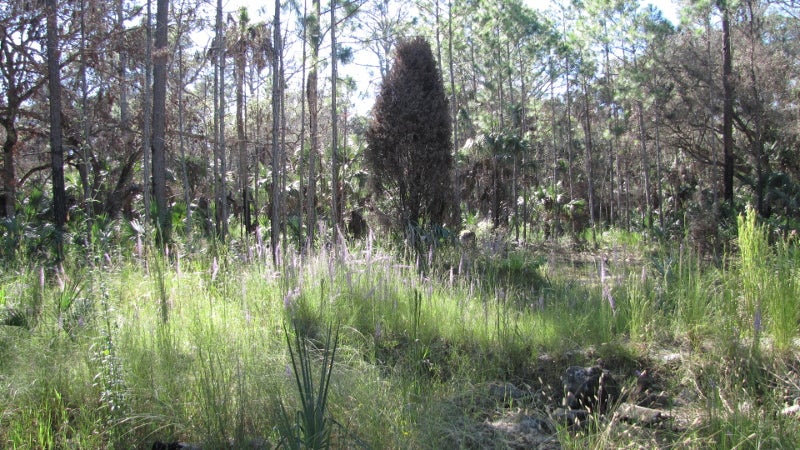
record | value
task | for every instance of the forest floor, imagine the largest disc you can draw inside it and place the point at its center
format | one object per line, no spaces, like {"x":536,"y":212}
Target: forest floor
{"x":668,"y":400}
{"x":678,"y":389}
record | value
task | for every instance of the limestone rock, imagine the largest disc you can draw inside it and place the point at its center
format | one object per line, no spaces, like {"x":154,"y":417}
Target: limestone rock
{"x":589,"y":388}
{"x":639,"y":415}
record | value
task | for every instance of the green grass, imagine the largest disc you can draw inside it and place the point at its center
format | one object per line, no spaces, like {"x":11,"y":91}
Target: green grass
{"x":87,"y":359}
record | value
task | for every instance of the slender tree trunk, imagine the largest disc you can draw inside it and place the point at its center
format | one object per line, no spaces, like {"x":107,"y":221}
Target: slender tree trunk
{"x":216,"y":126}
{"x":334,"y":133}
{"x":122,"y":84}
{"x":221,"y":210}
{"x":623,"y":211}
{"x":258,"y":154}
{"x":282,"y":95}
{"x":159,"y":123}
{"x":56,"y":147}
{"x":9,"y":147}
{"x":302,"y":160}
{"x":710,"y":138}
{"x":457,"y":182}
{"x":223,"y":150}
{"x":453,"y":102}
{"x":613,"y":150}
{"x":218,"y":195}
{"x":757,"y":140}
{"x":615,"y":160}
{"x":521,"y":132}
{"x":515,"y":208}
{"x":501,"y":97}
{"x":343,"y":163}
{"x":14,"y":98}
{"x":556,"y":218}
{"x":241,"y":140}
{"x":658,"y":168}
{"x":83,"y":166}
{"x":587,"y":129}
{"x":147,"y":116}
{"x":187,"y":198}
{"x":313,"y":111}
{"x":474,"y":65}
{"x":124,"y":119}
{"x":437,"y":19}
{"x":727,"y":111}
{"x":276,"y":121}
{"x":569,"y":128}
{"x":645,"y":164}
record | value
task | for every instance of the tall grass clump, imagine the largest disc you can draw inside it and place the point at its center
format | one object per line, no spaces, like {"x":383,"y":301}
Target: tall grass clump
{"x":49,"y":400}
{"x":638,"y":306}
{"x":691,"y":295}
{"x":784,"y":309}
{"x":109,"y":375}
{"x":769,"y":286}
{"x":754,"y":261}
{"x":738,"y":390}
{"x":696,"y":297}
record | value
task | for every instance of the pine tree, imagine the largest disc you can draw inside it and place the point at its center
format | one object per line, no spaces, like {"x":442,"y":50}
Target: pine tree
{"x":56,"y":141}
{"x":160,"y":122}
{"x":409,"y":142}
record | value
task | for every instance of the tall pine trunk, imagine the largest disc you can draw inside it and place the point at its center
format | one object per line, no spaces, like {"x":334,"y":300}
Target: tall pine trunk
{"x":9,"y":169}
{"x":313,"y":128}
{"x":241,"y":141}
{"x":56,"y":147}
{"x":221,"y":209}
{"x":147,"y":117}
{"x":335,"y":206}
{"x":187,"y":197}
{"x":302,"y":159}
{"x":553,"y":129}
{"x":589,"y":151}
{"x":83,"y":165}
{"x":164,"y":223}
{"x":727,"y":108}
{"x":453,"y":103}
{"x":276,"y":121}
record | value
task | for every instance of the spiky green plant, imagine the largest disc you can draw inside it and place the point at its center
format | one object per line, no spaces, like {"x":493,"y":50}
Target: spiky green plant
{"x":310,"y":428}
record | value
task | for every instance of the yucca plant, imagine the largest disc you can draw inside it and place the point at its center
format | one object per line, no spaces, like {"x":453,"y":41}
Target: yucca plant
{"x":310,"y":429}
